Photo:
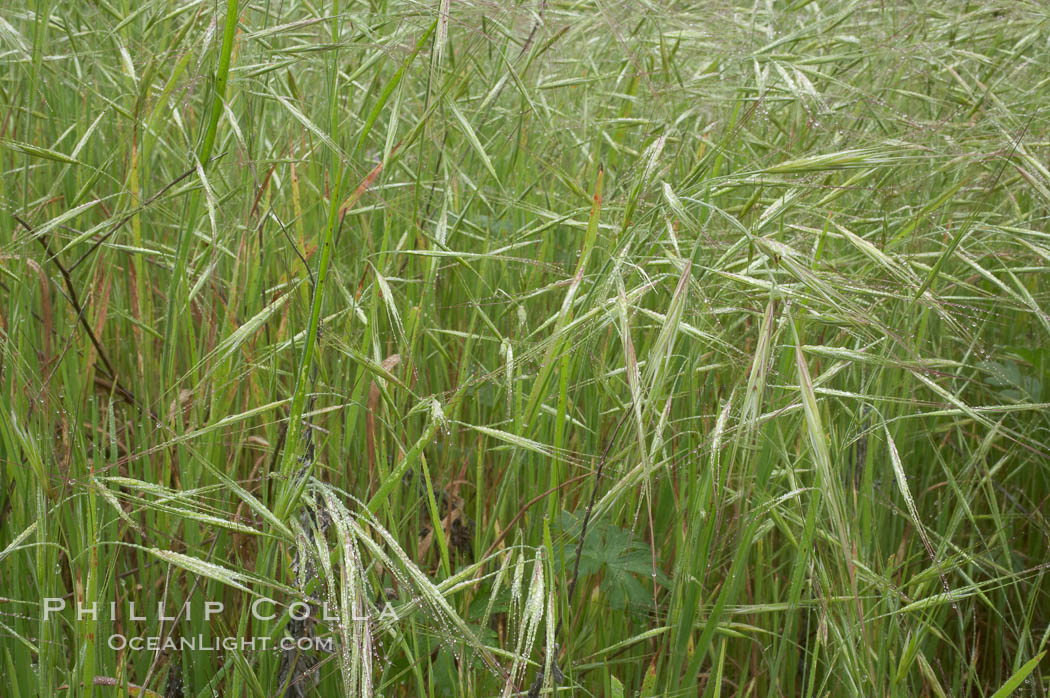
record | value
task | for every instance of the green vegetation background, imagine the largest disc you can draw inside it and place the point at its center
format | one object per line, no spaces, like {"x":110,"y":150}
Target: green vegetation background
{"x":393,"y":301}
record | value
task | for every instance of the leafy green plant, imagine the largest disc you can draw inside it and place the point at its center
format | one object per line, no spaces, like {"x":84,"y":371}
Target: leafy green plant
{"x":1022,"y":378}
{"x":618,"y":556}
{"x":1011,"y":382}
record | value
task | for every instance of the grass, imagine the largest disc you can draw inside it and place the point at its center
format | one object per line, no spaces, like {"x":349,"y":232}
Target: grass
{"x":539,"y":348}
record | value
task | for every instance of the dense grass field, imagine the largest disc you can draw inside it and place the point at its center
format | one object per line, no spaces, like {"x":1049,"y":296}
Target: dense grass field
{"x":552,"y":347}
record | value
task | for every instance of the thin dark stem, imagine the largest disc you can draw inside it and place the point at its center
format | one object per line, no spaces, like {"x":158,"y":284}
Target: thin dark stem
{"x":82,"y":316}
{"x":137,"y":210}
{"x":590,"y":510}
